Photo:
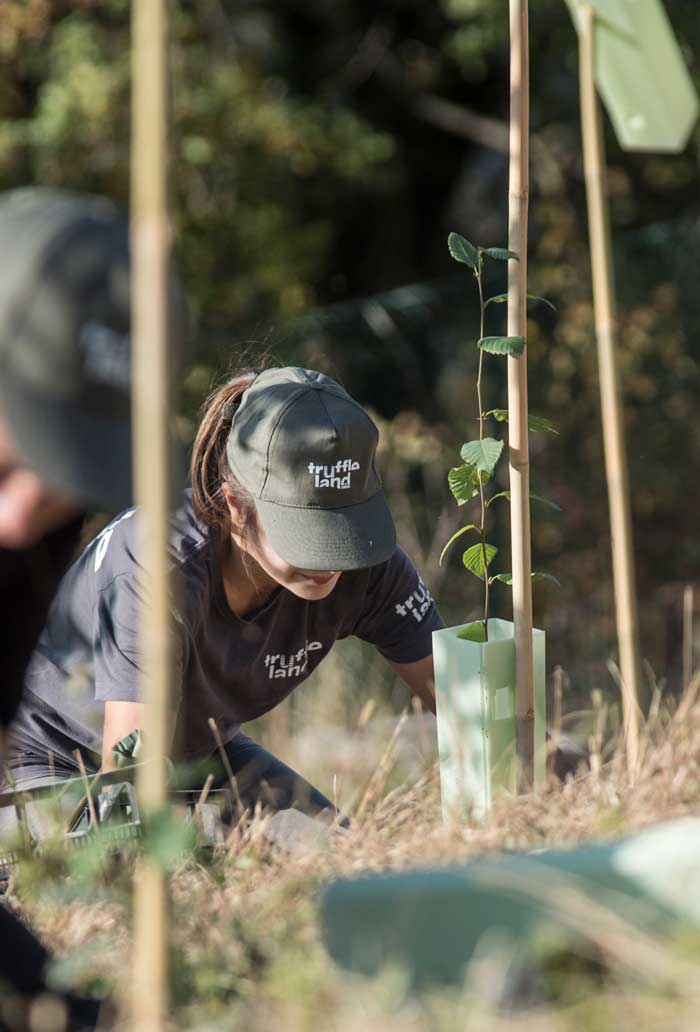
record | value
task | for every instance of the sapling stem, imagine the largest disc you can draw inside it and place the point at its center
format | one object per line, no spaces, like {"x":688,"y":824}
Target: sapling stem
{"x":482,"y":525}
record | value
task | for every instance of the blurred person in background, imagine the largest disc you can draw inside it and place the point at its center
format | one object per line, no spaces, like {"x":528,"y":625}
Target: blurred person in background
{"x":65,"y":447}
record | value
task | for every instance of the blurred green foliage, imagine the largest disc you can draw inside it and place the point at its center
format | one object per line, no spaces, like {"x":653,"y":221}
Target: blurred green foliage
{"x":320,"y":155}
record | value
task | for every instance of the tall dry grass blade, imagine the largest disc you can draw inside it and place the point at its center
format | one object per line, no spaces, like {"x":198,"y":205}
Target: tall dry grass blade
{"x":227,"y":766}
{"x":19,"y":801}
{"x":688,"y":605}
{"x":423,"y":738}
{"x":596,"y":740}
{"x":378,"y":777}
{"x":689,"y":698}
{"x":366,"y":713}
{"x":88,"y":788}
{"x":558,"y":705}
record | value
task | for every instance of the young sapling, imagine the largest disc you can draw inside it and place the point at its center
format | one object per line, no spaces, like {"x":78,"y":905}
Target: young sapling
{"x":480,"y":456}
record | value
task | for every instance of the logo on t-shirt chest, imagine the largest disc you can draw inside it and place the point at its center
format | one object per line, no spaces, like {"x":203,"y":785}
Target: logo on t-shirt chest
{"x":294,"y":664}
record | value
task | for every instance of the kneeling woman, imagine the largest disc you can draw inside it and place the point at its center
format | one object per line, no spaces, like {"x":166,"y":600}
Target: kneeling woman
{"x":283,"y":544}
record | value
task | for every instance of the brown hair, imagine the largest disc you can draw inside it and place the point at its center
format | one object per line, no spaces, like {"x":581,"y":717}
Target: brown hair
{"x":209,"y":466}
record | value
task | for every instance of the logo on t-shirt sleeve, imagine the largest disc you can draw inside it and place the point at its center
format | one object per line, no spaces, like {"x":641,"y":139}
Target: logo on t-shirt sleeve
{"x":103,"y":539}
{"x":417,"y":604}
{"x":293,"y":665}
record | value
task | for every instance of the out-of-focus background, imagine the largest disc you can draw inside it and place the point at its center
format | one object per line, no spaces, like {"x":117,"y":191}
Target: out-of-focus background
{"x":322,"y":151}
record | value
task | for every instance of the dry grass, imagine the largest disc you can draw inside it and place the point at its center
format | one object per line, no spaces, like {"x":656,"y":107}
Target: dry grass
{"x":246,"y":946}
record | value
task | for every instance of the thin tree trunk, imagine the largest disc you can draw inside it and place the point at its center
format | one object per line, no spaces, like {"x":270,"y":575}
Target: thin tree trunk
{"x":611,"y":409}
{"x":151,"y":383}
{"x":517,"y":392}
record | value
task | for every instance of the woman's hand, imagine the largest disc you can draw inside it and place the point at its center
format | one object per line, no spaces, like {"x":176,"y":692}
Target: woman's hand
{"x":121,"y":718}
{"x":420,"y":678}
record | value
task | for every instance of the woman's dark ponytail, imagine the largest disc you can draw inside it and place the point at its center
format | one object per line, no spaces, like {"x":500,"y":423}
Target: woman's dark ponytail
{"x":209,"y":466}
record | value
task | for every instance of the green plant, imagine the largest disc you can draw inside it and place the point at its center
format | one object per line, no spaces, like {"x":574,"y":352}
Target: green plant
{"x":480,"y":457}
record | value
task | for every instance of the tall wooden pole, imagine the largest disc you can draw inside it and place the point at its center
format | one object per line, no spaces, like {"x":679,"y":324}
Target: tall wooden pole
{"x":613,"y":431}
{"x":151,"y":393}
{"x":517,"y":391}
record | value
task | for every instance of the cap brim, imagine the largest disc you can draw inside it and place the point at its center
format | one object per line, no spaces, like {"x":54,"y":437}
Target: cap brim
{"x":84,"y":455}
{"x":351,"y":538}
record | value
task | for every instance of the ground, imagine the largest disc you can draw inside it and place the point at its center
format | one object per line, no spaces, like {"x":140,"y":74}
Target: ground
{"x":246,"y":948}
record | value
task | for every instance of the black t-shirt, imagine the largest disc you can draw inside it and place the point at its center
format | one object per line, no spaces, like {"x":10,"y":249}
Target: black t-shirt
{"x":226,"y":667}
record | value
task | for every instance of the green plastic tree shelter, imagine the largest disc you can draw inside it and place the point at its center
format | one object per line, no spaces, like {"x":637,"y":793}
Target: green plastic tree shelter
{"x":629,"y":50}
{"x":629,"y":898}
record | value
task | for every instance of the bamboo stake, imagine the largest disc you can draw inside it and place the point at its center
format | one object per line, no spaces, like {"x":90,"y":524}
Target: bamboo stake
{"x":688,"y":602}
{"x":151,"y":481}
{"x":517,"y":392}
{"x":613,"y":431}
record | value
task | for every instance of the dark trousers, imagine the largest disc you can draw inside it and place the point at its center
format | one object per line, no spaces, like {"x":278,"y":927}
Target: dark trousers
{"x":262,"y":779}
{"x":28,"y":580}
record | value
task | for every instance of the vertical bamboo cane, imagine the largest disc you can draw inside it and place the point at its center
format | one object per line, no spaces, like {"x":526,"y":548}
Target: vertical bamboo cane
{"x":151,"y":479}
{"x":688,"y":600}
{"x":517,"y":391}
{"x":613,"y":431}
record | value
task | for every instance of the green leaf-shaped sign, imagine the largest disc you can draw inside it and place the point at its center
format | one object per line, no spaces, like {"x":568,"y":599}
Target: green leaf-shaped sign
{"x":642,"y":74}
{"x":473,"y":558}
{"x":483,"y":455}
{"x":503,"y":345}
{"x":464,"y":483}
{"x":501,"y":254}
{"x":462,"y":251}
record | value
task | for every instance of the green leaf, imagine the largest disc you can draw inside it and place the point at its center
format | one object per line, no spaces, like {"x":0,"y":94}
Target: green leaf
{"x":544,"y":501}
{"x":462,"y":251}
{"x":503,"y":345}
{"x":483,"y":455}
{"x":549,"y":577}
{"x":507,"y":578}
{"x":535,"y":424}
{"x":501,"y":254}
{"x":473,"y":558}
{"x":473,"y":632}
{"x":464,"y":483}
{"x":462,"y":530}
{"x":533,"y":497}
{"x":501,"y":494}
{"x":501,"y":299}
{"x":539,"y":424}
{"x":167,"y":838}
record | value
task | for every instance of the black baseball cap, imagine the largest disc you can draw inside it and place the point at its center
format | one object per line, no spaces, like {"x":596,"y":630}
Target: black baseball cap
{"x":65,"y":340}
{"x":306,"y":451}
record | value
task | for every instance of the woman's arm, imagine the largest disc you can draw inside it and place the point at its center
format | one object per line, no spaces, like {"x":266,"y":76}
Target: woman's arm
{"x":121,"y":718}
{"x":420,"y":678}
